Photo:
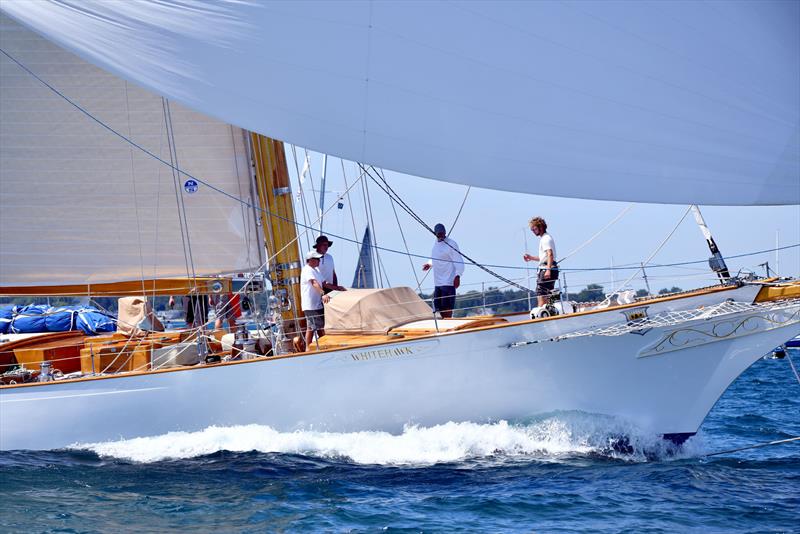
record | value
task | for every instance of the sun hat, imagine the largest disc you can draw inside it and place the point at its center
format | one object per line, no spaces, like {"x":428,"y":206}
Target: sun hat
{"x":321,"y":240}
{"x":313,"y":255}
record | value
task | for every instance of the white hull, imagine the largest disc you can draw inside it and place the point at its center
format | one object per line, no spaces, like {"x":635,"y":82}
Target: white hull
{"x":665,"y":380}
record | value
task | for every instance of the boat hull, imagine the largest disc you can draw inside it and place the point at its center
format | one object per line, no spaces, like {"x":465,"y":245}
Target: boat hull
{"x":664,"y":380}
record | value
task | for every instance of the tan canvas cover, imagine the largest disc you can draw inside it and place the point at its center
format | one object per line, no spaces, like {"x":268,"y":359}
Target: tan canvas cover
{"x":373,"y":311}
{"x":135,"y":316}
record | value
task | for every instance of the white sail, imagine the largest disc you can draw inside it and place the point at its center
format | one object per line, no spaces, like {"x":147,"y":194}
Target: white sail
{"x":79,"y":205}
{"x":676,"y":102}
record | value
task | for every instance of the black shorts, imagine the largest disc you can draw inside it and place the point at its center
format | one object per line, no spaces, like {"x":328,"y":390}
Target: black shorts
{"x":197,"y":311}
{"x":444,"y":298}
{"x":545,"y":287}
{"x":315,"y":319}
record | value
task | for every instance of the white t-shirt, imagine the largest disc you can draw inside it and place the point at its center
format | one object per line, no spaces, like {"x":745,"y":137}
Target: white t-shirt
{"x":447,"y":262}
{"x":546,"y":243}
{"x":326,"y":268}
{"x":310,"y":298}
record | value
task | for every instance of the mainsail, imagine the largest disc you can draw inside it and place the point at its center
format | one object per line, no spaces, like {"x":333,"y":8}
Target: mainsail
{"x":675,"y":102}
{"x":80,"y":206}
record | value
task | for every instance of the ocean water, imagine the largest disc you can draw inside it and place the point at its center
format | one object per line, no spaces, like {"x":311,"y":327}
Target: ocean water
{"x":556,"y":473}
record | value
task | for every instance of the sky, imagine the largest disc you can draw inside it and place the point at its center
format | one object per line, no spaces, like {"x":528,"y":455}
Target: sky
{"x":492,"y":229}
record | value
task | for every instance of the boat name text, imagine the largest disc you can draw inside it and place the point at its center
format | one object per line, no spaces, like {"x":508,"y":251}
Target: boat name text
{"x":382,"y":353}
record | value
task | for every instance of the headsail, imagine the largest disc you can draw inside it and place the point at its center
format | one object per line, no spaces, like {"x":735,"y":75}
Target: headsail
{"x":364,"y":277}
{"x":675,"y":102}
{"x":80,"y":206}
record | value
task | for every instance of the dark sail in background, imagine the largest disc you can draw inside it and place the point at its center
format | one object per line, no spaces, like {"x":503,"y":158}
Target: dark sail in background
{"x":364,"y":277}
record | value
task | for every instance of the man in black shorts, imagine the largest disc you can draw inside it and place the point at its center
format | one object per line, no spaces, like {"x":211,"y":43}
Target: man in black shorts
{"x":548,"y":267}
{"x":448,"y":266}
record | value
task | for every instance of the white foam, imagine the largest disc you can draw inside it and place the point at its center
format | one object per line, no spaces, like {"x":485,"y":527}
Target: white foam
{"x":551,"y":438}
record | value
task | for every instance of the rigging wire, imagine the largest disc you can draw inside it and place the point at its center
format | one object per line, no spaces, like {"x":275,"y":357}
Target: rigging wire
{"x":597,"y":234}
{"x":389,"y":191}
{"x":656,"y":251}
{"x":176,"y":185}
{"x":135,"y":194}
{"x":248,"y":237}
{"x":464,"y":201}
{"x":371,"y":221}
{"x":452,"y":227}
{"x":405,"y":244}
{"x":360,"y":266}
{"x":304,"y":211}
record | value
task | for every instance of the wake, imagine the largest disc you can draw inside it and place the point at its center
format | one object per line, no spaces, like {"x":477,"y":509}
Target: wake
{"x":555,"y":438}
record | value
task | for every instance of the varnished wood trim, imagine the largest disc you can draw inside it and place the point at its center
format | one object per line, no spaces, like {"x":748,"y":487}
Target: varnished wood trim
{"x":704,"y":291}
{"x":158,"y":286}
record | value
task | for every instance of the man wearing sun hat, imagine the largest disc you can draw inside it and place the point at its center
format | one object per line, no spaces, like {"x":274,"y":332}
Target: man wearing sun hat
{"x":330,"y":282}
{"x":448,"y":266}
{"x":312,"y":297}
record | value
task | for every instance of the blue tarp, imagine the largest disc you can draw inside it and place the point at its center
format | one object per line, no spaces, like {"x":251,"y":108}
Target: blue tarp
{"x":42,"y":318}
{"x":59,"y":319}
{"x":29,"y":319}
{"x":93,"y":321}
{"x":6,"y":314}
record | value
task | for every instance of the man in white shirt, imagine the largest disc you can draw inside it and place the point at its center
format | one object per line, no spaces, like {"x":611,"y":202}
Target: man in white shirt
{"x":548,"y":267}
{"x":330,"y":282}
{"x":312,"y":297}
{"x":448,"y":266}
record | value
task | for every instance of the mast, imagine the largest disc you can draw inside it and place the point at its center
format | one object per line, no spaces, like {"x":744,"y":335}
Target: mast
{"x":277,"y":222}
{"x":716,"y":261}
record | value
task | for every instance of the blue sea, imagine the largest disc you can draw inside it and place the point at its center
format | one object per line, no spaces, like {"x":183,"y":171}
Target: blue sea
{"x":556,"y":473}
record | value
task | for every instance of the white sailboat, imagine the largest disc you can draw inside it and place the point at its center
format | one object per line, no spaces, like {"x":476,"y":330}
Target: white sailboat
{"x":660,"y":363}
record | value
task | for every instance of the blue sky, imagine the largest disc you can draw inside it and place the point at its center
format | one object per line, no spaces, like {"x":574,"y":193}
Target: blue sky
{"x":493,"y":227}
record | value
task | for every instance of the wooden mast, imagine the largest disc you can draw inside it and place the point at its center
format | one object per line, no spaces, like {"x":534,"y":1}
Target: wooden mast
{"x":277,"y":222}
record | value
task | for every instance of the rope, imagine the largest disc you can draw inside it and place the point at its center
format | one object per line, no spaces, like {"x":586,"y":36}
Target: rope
{"x":135,"y":193}
{"x":300,"y":179}
{"x":597,"y":234}
{"x":184,"y":224}
{"x":756,"y":446}
{"x":405,"y":244}
{"x":392,"y":194}
{"x":452,"y":228}
{"x":656,"y":251}
{"x":352,"y":214}
{"x":794,"y":369}
{"x":368,"y":213}
{"x":463,"y":202}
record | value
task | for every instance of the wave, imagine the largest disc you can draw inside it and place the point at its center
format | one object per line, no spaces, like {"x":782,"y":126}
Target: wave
{"x":553,"y":438}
